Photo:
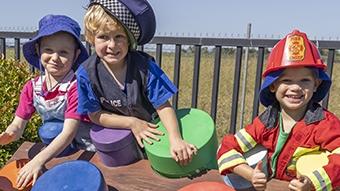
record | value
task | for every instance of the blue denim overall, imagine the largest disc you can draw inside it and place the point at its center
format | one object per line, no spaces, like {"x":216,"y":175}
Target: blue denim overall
{"x":52,"y":113}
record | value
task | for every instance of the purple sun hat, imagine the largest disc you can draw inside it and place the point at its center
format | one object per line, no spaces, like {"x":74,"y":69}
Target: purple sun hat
{"x":49,"y":25}
{"x":136,"y":16}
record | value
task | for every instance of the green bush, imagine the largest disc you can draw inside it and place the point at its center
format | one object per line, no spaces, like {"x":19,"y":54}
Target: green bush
{"x":13,"y":75}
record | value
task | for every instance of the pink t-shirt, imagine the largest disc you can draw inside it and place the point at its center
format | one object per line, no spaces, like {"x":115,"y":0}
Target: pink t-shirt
{"x":26,"y":109}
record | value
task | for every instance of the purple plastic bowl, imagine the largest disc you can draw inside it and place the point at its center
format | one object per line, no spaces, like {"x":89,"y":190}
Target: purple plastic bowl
{"x":116,"y":147}
{"x":126,"y":156}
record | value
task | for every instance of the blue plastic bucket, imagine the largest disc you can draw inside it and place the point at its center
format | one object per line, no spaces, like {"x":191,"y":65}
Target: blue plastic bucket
{"x":71,"y":176}
{"x":50,"y":130}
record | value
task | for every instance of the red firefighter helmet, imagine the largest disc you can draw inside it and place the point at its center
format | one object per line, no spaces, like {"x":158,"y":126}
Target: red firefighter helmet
{"x":292,"y":51}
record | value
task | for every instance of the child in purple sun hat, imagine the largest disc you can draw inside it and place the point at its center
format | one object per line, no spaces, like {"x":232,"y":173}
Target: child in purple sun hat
{"x":56,"y":51}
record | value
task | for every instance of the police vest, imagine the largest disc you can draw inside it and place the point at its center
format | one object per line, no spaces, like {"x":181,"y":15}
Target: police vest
{"x":132,"y":103}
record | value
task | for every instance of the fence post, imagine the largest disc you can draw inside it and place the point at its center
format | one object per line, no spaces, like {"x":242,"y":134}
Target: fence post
{"x":238,"y":63}
{"x":3,"y":48}
{"x":259,"y":66}
{"x":17,"y":48}
{"x":195,"y":79}
{"x":159,"y":50}
{"x":330,"y":62}
{"x":244,"y":80}
{"x":177,"y":73}
{"x":216,"y":81}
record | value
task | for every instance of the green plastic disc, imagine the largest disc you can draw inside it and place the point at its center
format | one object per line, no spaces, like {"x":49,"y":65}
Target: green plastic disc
{"x":196,"y":127}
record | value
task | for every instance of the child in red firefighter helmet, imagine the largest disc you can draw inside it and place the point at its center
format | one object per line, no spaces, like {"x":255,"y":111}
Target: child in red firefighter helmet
{"x":293,"y":124}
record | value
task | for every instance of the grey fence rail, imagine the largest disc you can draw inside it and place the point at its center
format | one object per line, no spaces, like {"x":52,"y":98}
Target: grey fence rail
{"x":239,"y":44}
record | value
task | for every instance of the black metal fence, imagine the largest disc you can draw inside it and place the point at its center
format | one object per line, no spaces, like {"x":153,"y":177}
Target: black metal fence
{"x":217,"y":43}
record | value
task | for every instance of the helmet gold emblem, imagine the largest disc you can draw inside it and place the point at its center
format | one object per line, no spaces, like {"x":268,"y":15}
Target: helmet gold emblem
{"x":296,"y":48}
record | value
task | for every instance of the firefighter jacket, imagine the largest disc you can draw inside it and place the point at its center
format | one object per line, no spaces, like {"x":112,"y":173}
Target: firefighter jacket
{"x":318,"y":130}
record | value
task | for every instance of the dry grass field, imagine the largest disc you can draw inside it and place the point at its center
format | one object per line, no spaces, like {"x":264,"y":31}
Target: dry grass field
{"x":226,"y":86}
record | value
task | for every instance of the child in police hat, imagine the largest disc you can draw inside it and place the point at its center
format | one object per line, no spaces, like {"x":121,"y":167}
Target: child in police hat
{"x":122,"y":87}
{"x":57,"y":52}
{"x":293,"y":124}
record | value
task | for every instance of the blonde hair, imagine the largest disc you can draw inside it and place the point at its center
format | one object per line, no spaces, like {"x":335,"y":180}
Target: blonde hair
{"x":97,"y":19}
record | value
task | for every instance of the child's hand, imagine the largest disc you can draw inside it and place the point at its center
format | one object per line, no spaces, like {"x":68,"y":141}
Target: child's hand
{"x":29,"y":172}
{"x":301,"y":184}
{"x":182,"y":151}
{"x":259,"y":179}
{"x":144,"y":130}
{"x":13,"y":131}
{"x":7,"y":137}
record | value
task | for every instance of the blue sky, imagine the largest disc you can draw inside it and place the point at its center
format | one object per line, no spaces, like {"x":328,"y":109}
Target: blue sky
{"x":269,"y":18}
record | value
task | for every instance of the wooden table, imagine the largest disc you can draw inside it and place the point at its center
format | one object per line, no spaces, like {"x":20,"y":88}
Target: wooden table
{"x":137,"y":177}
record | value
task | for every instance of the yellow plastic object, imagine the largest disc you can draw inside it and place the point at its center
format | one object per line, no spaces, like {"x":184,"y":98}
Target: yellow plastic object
{"x":306,"y":164}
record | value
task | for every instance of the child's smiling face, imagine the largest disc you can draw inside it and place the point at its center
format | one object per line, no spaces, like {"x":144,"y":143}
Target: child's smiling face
{"x":58,"y":52}
{"x":295,"y":88}
{"x":112,"y":46}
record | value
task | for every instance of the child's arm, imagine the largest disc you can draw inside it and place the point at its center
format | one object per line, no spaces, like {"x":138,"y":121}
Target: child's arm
{"x":32,"y":169}
{"x":23,"y":113}
{"x":141,"y":129}
{"x":233,"y":146}
{"x":14,"y":131}
{"x":180,"y":150}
